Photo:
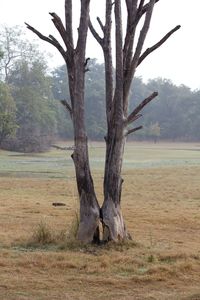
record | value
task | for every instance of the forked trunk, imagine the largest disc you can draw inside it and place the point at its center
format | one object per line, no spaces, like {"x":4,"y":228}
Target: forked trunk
{"x":117,"y":97}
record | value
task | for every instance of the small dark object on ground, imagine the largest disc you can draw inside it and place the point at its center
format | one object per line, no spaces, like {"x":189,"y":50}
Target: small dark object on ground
{"x":58,"y":204}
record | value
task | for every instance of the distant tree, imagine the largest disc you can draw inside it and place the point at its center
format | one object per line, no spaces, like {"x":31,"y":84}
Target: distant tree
{"x":31,"y":90}
{"x":1,"y":54}
{"x":171,"y":110}
{"x":154,"y":131}
{"x":14,"y":47}
{"x":128,"y":57}
{"x":192,"y":117}
{"x":8,"y":124}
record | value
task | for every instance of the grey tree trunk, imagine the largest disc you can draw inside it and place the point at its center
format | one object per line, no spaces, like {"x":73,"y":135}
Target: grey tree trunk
{"x":89,"y":207}
{"x":112,"y":219}
{"x":117,"y":100}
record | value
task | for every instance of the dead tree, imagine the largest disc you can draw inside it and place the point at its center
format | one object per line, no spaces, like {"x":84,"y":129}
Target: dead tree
{"x":116,"y":99}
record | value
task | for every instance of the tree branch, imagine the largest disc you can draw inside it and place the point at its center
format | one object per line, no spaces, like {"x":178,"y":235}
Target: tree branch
{"x":118,"y":97}
{"x":133,"y":130}
{"x":140,"y":7}
{"x":130,"y":32}
{"x":68,"y":21}
{"x":142,"y":10}
{"x":136,"y":117}
{"x":142,"y":35}
{"x":135,"y":112}
{"x":67,"y":106}
{"x":100,"y":24}
{"x":83,"y":26}
{"x":59,"y":26}
{"x":157,"y":45}
{"x":95,"y":34}
{"x":108,"y":17}
{"x":131,"y":67}
{"x":105,"y":43}
{"x":51,"y":40}
{"x":107,"y":49}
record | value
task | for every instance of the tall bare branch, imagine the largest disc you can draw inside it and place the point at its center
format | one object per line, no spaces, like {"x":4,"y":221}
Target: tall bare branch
{"x":105,"y":43}
{"x":95,"y":34}
{"x":83,"y":25}
{"x":157,"y":45}
{"x":135,"y":112}
{"x":61,"y":29}
{"x":142,"y":9}
{"x":131,"y":7}
{"x":118,"y":97}
{"x":133,"y":130}
{"x":100,"y":24}
{"x":107,"y":49}
{"x":140,"y":43}
{"x":68,"y":21}
{"x":51,"y":40}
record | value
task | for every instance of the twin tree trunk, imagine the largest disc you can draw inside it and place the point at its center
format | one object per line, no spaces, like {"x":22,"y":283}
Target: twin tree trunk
{"x":116,"y":101}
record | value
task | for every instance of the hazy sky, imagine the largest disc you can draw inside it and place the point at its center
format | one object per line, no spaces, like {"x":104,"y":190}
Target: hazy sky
{"x":178,"y":59}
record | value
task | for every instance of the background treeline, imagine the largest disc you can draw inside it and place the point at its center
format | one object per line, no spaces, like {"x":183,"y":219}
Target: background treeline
{"x":32,"y":116}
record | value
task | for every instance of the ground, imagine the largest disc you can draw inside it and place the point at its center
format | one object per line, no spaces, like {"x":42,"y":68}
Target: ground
{"x":161,"y":205}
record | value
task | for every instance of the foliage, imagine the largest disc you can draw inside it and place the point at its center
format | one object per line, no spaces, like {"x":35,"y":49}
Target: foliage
{"x":35,"y":107}
{"x":173,"y":115}
{"x":31,"y":114}
{"x":7,"y":113}
{"x":14,"y":47}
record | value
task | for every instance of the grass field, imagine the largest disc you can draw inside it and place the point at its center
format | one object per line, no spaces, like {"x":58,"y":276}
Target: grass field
{"x":161,"y":205}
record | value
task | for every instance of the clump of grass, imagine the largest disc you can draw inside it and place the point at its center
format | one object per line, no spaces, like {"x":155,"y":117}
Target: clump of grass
{"x":45,"y":237}
{"x":151,"y":258}
{"x":73,"y":229}
{"x":70,"y":241}
{"x":42,"y":235}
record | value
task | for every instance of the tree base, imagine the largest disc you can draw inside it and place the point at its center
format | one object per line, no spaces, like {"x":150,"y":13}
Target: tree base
{"x":113,"y":223}
{"x":88,"y":230}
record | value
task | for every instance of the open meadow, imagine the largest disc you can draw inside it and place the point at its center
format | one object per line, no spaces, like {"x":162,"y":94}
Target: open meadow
{"x":161,"y":205}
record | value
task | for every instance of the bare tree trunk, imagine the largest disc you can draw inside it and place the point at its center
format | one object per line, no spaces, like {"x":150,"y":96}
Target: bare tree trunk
{"x":89,"y":207}
{"x":76,"y":64}
{"x":113,"y":223}
{"x":117,"y":99}
{"x":112,"y":219}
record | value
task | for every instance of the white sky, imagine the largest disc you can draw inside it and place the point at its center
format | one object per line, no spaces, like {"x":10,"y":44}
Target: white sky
{"x":178,"y":59}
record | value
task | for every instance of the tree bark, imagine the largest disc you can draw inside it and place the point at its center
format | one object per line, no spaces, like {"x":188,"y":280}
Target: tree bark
{"x":111,"y":214}
{"x":74,"y":57}
{"x":89,"y":207}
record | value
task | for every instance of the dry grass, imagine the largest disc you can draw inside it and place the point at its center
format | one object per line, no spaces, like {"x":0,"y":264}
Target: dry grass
{"x":161,"y":207}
